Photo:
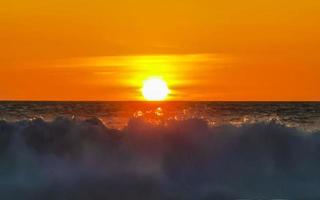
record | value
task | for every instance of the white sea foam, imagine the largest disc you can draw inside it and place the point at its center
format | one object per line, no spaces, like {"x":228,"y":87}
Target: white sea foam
{"x":84,"y":159}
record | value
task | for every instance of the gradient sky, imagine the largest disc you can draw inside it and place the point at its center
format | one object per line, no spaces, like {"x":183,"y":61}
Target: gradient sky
{"x":204,"y":49}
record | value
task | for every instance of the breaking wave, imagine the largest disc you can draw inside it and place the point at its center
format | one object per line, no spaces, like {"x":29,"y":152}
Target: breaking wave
{"x":84,"y":159}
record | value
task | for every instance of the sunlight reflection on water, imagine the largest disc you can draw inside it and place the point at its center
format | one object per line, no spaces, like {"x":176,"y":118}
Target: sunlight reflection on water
{"x":117,"y":114}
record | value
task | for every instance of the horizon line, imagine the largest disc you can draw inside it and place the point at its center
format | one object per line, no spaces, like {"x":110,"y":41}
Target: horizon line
{"x":172,"y":101}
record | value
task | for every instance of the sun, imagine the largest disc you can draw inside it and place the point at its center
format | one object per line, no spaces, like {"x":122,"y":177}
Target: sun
{"x":155,"y":89}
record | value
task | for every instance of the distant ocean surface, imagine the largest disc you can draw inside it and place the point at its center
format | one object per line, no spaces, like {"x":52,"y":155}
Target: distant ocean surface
{"x":159,"y":151}
{"x":304,"y":115}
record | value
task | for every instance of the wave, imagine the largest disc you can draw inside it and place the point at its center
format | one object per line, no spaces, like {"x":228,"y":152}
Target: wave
{"x":84,"y":159}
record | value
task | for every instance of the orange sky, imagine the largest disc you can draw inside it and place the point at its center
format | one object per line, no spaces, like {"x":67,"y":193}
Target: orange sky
{"x":204,"y":49}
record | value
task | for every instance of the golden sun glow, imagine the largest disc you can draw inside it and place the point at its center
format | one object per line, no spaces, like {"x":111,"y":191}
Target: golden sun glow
{"x":155,"y":89}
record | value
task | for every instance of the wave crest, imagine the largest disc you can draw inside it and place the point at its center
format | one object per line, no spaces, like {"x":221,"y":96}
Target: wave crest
{"x":84,"y":159}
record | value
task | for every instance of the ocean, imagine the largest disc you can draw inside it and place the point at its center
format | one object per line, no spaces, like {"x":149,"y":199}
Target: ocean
{"x":160,"y":150}
{"x":303,"y":115}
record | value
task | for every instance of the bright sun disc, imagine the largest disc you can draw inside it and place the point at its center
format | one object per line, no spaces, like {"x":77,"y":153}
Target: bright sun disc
{"x":155,"y":89}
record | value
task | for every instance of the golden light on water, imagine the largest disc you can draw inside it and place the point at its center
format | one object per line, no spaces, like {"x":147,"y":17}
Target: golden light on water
{"x":155,"y":89}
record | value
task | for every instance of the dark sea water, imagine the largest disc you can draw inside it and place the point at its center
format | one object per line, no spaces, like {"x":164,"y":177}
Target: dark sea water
{"x":159,"y":151}
{"x":304,"y":115}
